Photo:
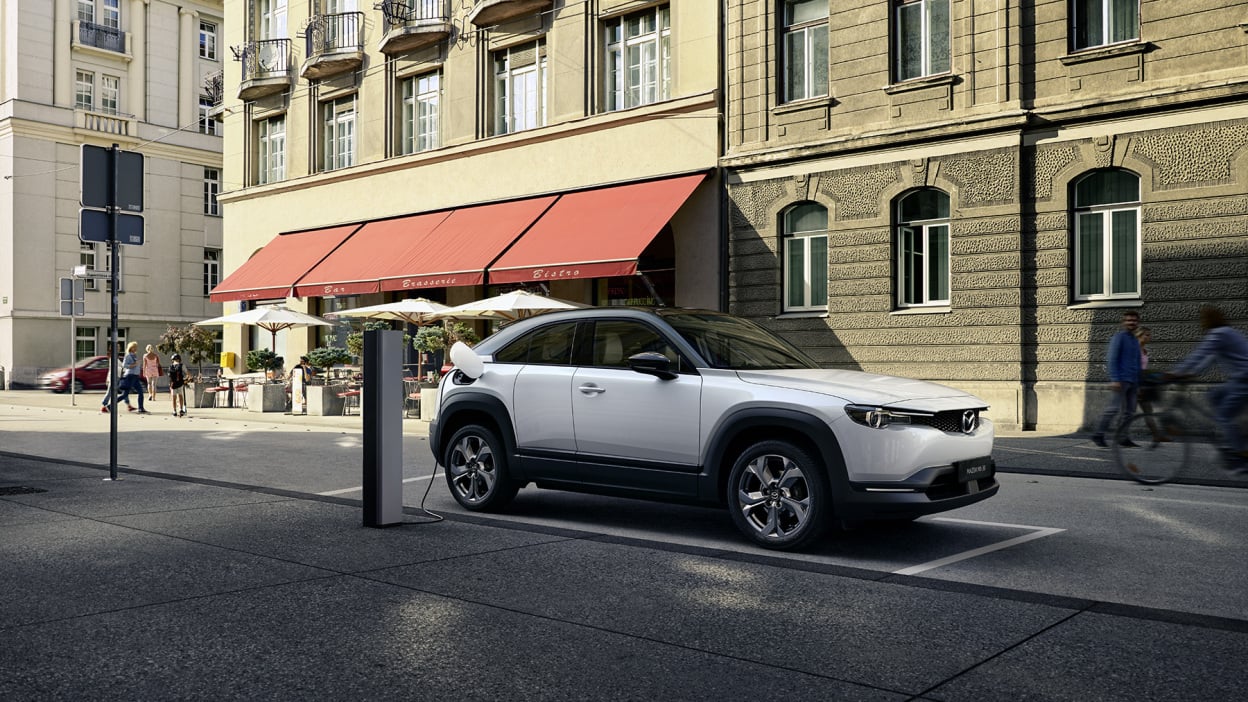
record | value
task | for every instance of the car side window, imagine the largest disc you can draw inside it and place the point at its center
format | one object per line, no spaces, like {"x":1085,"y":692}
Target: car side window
{"x":616,"y":340}
{"x":549,"y":345}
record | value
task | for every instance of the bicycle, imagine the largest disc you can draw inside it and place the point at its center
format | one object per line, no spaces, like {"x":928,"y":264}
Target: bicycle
{"x":1152,"y":448}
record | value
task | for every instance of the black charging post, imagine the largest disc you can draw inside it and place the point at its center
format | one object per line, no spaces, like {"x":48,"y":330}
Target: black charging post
{"x":382,"y":407}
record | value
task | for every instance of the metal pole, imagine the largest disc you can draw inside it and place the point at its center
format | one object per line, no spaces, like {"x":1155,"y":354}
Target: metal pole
{"x":113,"y":158}
{"x":73,"y":361}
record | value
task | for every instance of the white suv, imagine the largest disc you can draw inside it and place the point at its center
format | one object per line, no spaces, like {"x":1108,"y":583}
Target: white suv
{"x":703,"y":407}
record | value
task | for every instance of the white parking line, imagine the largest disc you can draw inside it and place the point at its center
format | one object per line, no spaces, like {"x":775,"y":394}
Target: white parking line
{"x":1039,"y":532}
{"x":357,"y":489}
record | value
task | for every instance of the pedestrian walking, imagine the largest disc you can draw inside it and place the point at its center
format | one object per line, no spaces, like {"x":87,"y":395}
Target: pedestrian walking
{"x":177,"y":385}
{"x":151,"y":371}
{"x":114,"y":386}
{"x":1123,"y":364}
{"x":131,"y":377}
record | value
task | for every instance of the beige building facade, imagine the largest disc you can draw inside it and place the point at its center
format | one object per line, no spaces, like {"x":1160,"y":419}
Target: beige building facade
{"x":136,"y":73}
{"x":398,"y":122}
{"x":973,"y":191}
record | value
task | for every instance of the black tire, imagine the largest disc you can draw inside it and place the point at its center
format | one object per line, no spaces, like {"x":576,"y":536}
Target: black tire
{"x":778,"y":495}
{"x":476,"y":470}
{"x":1151,"y":449}
{"x":78,"y":388}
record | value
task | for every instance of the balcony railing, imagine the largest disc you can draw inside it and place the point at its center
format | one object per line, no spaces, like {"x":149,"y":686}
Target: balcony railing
{"x":107,"y":122}
{"x":101,"y":37}
{"x":266,"y":67}
{"x":413,"y":24}
{"x":335,"y":44}
{"x":332,"y":34}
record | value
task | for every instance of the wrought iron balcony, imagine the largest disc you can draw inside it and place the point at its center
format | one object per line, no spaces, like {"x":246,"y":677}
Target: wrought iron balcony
{"x":101,"y":37}
{"x":486,"y":13}
{"x":411,"y":25}
{"x":266,"y":68}
{"x":214,"y":87}
{"x":335,"y":43}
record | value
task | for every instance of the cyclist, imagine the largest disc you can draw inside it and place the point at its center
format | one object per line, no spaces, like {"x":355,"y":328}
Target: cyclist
{"x":1229,"y":348}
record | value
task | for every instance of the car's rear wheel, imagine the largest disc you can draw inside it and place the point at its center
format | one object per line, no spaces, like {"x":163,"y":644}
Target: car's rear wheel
{"x":778,"y":495}
{"x":476,"y":469}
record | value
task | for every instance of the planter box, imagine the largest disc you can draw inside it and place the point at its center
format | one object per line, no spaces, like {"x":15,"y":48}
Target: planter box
{"x":323,"y":400}
{"x":428,"y":403}
{"x":269,"y":397}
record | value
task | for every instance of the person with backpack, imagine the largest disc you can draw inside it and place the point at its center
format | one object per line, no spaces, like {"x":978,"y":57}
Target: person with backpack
{"x":177,"y":385}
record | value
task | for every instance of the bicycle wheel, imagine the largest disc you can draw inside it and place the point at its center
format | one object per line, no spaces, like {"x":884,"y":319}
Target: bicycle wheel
{"x":1147,"y":456}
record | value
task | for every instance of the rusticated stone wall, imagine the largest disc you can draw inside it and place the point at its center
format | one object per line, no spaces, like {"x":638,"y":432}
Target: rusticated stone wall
{"x":1013,"y":332}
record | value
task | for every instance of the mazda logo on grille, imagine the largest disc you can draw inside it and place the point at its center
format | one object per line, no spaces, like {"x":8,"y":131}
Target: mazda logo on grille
{"x":970,"y":420}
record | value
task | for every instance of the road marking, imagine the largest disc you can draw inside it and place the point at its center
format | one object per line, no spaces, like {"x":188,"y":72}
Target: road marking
{"x":1039,"y":532}
{"x":1038,"y":452}
{"x":357,"y":489}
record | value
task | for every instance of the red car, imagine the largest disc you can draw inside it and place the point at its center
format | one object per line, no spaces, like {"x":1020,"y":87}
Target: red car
{"x":89,"y":374}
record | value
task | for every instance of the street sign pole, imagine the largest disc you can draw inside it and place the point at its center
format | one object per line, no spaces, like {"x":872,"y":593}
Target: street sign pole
{"x":112,"y":354}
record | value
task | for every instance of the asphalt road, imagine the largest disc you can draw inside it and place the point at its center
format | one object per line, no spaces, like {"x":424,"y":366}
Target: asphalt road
{"x":1051,"y":531}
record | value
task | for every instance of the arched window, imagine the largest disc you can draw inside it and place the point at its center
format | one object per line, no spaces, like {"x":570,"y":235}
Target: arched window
{"x":806,"y":258}
{"x":1107,"y":235}
{"x":923,"y":249}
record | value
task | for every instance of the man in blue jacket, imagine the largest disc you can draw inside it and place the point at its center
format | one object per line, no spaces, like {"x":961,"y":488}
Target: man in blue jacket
{"x":1229,"y":349}
{"x":1123,"y":362}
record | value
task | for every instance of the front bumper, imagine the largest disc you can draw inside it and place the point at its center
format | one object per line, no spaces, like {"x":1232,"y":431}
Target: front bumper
{"x":929,"y":491}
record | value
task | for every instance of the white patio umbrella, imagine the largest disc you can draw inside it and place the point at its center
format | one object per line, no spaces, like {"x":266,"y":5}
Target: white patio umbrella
{"x":413,"y":310}
{"x":509,"y":306}
{"x":274,"y":319}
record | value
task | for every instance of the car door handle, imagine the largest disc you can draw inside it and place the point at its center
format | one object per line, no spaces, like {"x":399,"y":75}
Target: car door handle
{"x":591,"y":389}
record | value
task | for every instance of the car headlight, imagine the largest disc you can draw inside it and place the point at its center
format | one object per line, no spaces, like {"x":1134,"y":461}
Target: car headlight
{"x":880,"y":417}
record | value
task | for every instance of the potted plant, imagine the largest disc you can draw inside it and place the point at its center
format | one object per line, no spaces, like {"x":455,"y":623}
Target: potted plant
{"x":322,"y":396}
{"x":426,"y":340}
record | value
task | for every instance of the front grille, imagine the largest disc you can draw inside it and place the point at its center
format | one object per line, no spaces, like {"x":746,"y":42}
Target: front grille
{"x":950,"y":421}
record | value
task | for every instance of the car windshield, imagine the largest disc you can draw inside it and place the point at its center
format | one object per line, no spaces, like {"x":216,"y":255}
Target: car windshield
{"x":736,"y":344}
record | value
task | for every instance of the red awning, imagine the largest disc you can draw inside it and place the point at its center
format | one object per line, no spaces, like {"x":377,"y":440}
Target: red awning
{"x":273,"y":270}
{"x":458,"y":250}
{"x":594,"y":233}
{"x":356,"y":267}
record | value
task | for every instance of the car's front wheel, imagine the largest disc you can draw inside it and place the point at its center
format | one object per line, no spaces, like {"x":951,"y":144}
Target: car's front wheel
{"x":476,"y":469}
{"x":778,"y":495}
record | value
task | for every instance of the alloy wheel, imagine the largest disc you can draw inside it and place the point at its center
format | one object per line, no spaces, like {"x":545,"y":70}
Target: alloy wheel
{"x":773,"y":496}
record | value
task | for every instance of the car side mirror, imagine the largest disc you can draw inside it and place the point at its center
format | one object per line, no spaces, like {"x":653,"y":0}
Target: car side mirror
{"x":652,"y":363}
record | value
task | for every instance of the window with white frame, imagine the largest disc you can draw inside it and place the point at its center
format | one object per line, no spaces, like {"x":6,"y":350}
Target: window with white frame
{"x":212,"y":188}
{"x":207,"y":123}
{"x":111,"y":14}
{"x":110,"y":94}
{"x":272,"y":14}
{"x":805,"y":49}
{"x":84,"y":90}
{"x":208,"y":41}
{"x":923,"y":249}
{"x":420,"y":114}
{"x":212,"y":269}
{"x":639,"y":58}
{"x":84,"y":342}
{"x":339,"y":132}
{"x":1103,"y":22}
{"x":86,"y":11}
{"x":271,"y":134}
{"x":922,"y":38}
{"x":806,"y":258}
{"x":86,"y":257}
{"x":1107,"y":236}
{"x":520,"y":87}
